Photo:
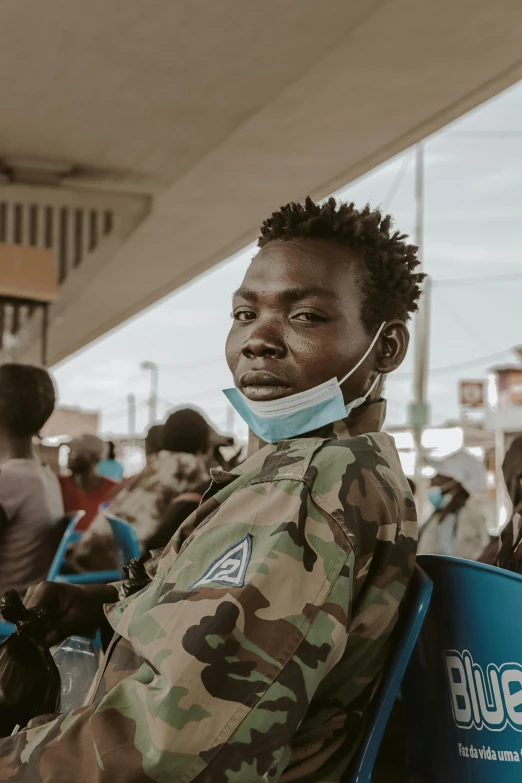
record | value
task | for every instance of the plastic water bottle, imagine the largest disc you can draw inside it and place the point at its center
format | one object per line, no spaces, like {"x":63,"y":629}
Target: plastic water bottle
{"x":77,"y":663}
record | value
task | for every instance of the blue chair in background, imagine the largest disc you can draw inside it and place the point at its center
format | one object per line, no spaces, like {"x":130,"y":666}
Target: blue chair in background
{"x":6,"y":629}
{"x":66,"y":529}
{"x":125,"y":538}
{"x":127,"y":548}
{"x":463,"y":688}
{"x":69,"y":536}
{"x":416,"y":606}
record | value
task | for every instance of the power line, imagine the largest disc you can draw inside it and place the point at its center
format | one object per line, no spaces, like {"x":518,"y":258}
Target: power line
{"x":116,"y":414}
{"x":467,"y":281}
{"x":455,"y":367}
{"x":195,"y":363}
{"x":173,"y":404}
{"x":465,"y":326}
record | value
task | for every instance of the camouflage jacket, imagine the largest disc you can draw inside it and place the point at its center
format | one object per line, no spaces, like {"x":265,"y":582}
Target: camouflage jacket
{"x":256,"y":649}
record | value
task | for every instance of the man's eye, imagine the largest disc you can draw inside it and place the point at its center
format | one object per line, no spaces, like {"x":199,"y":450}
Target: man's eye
{"x":244,"y":315}
{"x":308,"y":317}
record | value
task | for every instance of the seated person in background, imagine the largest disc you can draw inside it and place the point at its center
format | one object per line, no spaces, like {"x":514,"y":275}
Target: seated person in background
{"x":30,"y":498}
{"x":153,"y":444}
{"x":178,"y":511}
{"x":110,"y":467}
{"x":83,"y":489}
{"x":179,"y":467}
{"x":255,"y":652}
{"x":456,"y":526}
{"x":506,"y":551}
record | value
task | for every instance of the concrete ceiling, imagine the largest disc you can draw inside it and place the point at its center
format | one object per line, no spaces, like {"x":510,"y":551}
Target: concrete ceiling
{"x":221,"y":111}
{"x":145,"y":89}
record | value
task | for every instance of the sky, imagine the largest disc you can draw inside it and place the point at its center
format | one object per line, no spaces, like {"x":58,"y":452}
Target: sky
{"x":472,"y":233}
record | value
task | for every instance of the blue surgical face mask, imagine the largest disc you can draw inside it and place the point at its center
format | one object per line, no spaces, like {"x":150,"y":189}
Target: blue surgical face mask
{"x":437,"y":499}
{"x":287,"y":417}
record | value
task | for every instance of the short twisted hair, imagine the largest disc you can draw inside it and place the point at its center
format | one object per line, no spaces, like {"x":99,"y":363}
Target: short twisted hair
{"x":390,"y":286}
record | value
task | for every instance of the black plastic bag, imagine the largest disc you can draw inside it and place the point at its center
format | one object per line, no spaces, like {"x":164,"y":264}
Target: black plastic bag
{"x":136,"y":575}
{"x":29,"y":680}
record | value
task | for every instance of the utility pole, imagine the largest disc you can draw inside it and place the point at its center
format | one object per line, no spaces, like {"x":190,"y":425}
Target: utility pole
{"x":418,"y":411}
{"x":131,"y":413}
{"x":231,"y":414}
{"x":153,"y":396}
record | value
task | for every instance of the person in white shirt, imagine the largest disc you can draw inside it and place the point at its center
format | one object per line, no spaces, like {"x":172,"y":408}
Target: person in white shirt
{"x":457,"y":526}
{"x":31,"y":504}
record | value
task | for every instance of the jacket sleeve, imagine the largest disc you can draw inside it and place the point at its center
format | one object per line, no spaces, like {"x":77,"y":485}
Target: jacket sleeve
{"x":231,"y":671}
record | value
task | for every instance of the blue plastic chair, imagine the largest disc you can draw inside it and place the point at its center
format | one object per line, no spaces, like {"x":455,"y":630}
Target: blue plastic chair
{"x":127,"y":548}
{"x":68,"y":522}
{"x":463,"y":688}
{"x":417,"y":602}
{"x":125,"y":538}
{"x":6,"y":629}
{"x":69,"y":537}
{"x":126,"y":544}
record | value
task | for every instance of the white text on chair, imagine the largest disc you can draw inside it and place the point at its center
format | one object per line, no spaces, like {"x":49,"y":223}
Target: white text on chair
{"x":486,"y":699}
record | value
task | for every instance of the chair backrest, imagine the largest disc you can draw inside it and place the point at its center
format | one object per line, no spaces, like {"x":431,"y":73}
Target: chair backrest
{"x":6,"y":629}
{"x":125,"y":539}
{"x":68,"y":522}
{"x":463,"y":688}
{"x":410,"y":623}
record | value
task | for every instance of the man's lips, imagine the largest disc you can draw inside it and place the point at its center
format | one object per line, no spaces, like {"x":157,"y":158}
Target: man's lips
{"x":262,"y":385}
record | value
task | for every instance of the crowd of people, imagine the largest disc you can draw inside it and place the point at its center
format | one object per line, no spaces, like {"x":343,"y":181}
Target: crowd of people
{"x":253,"y":648}
{"x":34,"y":502}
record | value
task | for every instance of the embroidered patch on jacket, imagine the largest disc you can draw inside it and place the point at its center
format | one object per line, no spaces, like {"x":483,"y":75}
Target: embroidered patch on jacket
{"x":230,"y":567}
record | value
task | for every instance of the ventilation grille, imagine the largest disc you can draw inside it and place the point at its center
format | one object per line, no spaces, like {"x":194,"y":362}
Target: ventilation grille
{"x":71,"y":232}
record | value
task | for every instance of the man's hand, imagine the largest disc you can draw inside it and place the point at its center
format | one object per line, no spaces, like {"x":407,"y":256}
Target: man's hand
{"x":77,"y":609}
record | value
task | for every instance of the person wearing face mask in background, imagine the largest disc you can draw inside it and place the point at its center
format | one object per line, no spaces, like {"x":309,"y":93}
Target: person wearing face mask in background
{"x":255,"y":652}
{"x":456,"y":526}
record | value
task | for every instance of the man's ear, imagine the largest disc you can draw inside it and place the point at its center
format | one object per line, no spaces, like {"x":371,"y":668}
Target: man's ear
{"x":393,"y":345}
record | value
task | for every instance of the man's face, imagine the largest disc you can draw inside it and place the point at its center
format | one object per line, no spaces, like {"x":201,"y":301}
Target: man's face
{"x":297,"y":321}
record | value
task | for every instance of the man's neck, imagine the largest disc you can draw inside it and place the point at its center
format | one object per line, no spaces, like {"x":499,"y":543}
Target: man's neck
{"x":15,"y":448}
{"x":254,"y":443}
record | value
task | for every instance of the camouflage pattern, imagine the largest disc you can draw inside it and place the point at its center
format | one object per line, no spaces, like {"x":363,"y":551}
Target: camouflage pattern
{"x":268,"y":680}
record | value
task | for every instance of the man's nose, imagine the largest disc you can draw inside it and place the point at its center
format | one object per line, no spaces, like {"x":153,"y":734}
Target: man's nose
{"x":264,"y":340}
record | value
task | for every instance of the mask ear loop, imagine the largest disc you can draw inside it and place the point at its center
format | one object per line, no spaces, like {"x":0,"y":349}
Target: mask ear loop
{"x":372,"y":387}
{"x":363,"y":358}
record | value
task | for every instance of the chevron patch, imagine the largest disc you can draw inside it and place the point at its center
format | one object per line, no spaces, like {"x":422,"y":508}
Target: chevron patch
{"x":230,"y":567}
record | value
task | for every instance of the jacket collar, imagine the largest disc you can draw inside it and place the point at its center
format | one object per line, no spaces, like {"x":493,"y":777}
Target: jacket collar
{"x":367,"y":418}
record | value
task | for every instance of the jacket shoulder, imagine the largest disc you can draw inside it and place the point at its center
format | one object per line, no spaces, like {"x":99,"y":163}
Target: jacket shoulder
{"x":370,"y":458}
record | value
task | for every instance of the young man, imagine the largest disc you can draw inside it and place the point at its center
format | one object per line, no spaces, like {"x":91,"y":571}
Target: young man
{"x":83,"y":489}
{"x":30,"y":498}
{"x":255,"y":652}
